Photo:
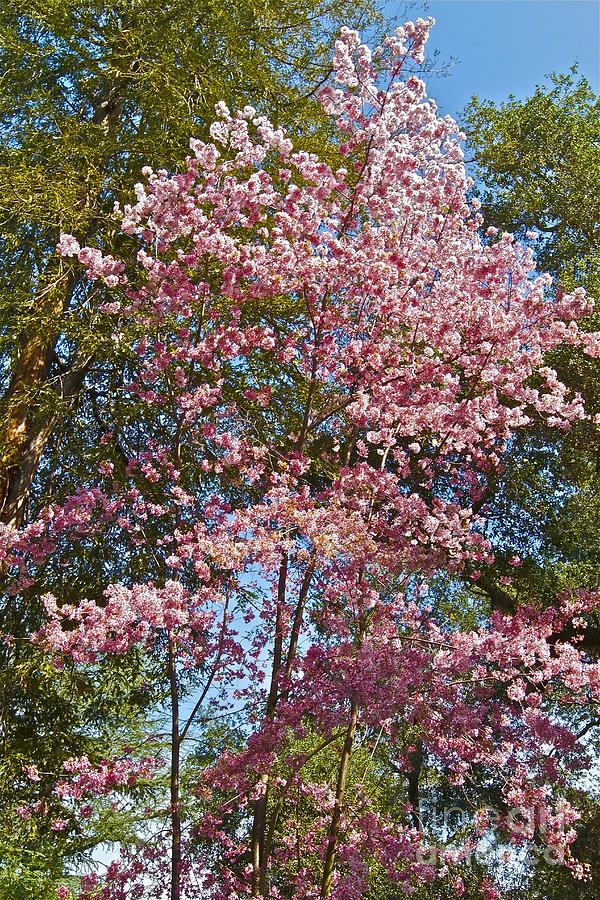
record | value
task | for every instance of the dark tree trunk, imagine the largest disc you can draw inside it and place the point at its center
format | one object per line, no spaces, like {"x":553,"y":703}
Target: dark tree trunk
{"x":334,"y":827}
{"x":175,"y":892}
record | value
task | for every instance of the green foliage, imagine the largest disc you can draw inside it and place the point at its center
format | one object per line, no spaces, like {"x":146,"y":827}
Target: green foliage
{"x":538,"y":161}
{"x":92,"y":92}
{"x":537,"y":164}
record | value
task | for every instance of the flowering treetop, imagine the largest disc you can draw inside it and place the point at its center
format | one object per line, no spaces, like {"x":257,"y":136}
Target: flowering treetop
{"x":329,"y":362}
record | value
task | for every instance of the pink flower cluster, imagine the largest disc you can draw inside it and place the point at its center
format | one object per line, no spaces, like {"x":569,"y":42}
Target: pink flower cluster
{"x":103,"y":779}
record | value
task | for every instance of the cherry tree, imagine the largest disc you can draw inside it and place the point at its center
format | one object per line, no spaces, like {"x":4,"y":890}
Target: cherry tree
{"x":326,"y":364}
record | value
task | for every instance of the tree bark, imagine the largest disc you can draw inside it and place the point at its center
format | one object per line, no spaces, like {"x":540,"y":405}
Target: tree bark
{"x":334,"y":827}
{"x":259,"y":822}
{"x":416,"y":761}
{"x":298,"y":616}
{"x":175,"y":891}
{"x":26,"y":428}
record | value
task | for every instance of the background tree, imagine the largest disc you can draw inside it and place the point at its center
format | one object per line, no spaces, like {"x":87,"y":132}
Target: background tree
{"x":537,"y":164}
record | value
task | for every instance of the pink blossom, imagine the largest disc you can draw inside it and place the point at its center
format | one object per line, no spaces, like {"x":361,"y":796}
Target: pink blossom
{"x":67,"y":245}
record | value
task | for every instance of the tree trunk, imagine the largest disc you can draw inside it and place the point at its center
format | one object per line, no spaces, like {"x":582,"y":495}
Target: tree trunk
{"x":259,"y":823}
{"x":175,"y":892}
{"x":416,"y":762}
{"x":334,"y":827}
{"x":26,"y":428}
{"x":298,"y":616}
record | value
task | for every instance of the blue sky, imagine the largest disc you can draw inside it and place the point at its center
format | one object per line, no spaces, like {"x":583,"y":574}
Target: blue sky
{"x":508,"y":46}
